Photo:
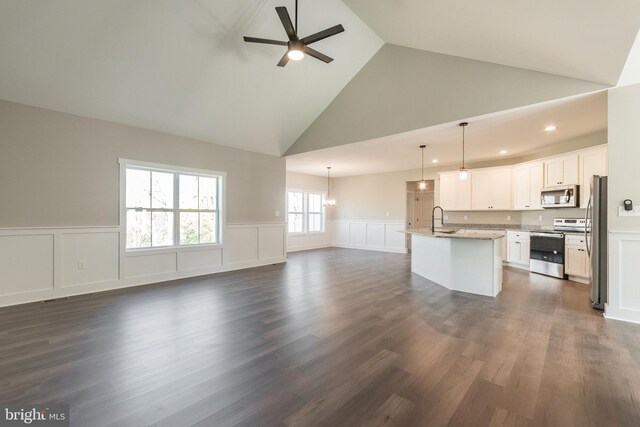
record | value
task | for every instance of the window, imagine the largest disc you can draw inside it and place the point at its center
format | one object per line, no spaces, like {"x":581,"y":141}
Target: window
{"x":305,"y":212}
{"x":171,"y":208}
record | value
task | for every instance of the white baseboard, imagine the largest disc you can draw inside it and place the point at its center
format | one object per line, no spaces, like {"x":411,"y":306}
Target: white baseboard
{"x":371,"y":248}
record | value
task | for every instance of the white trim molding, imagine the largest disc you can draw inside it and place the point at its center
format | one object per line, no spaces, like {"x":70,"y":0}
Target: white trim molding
{"x":623,"y":300}
{"x":38,"y":264}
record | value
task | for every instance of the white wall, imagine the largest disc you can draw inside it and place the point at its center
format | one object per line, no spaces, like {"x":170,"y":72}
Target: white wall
{"x":60,"y":196}
{"x":624,"y":183}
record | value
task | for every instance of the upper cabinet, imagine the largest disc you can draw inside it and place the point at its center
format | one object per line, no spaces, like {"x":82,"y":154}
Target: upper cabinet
{"x":491,"y":189}
{"x":561,"y":170}
{"x":455,"y":193}
{"x":592,"y":162}
{"x":527,"y":185}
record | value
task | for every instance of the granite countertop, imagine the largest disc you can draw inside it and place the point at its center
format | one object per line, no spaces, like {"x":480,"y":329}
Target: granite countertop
{"x":505,"y":227}
{"x":459,"y":234}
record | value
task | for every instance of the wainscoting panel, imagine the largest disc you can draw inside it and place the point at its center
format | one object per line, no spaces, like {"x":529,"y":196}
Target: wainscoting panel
{"x":26,"y":263}
{"x":90,"y":257}
{"x":49,"y":263}
{"x":624,"y":277}
{"x":241,"y":244}
{"x":373,"y":235}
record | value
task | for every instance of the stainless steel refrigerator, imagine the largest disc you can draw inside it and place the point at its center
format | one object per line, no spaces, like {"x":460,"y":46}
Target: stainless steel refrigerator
{"x":596,"y":239}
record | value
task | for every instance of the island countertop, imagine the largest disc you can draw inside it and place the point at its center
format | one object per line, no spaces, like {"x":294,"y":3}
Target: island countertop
{"x":459,"y":234}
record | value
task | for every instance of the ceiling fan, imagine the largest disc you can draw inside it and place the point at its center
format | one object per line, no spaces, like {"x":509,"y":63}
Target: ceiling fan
{"x":296,"y":47}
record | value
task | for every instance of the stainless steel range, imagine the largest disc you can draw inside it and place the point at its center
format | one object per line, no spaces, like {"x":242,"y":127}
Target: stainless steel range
{"x":546,"y":255}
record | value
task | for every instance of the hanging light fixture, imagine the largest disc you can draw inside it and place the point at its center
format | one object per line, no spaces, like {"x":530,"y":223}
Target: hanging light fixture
{"x":422,"y":185}
{"x":464,"y":173}
{"x":329,"y":201}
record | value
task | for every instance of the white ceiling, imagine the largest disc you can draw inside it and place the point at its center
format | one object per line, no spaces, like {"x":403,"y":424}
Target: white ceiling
{"x":179,"y":67}
{"x":519,"y":131}
{"x":586,"y":39}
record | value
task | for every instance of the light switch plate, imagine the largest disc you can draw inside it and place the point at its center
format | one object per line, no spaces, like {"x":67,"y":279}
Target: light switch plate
{"x":632,"y":212}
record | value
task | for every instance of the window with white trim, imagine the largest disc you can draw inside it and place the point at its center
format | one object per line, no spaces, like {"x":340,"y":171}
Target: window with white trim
{"x":305,"y":212}
{"x":171,"y":207}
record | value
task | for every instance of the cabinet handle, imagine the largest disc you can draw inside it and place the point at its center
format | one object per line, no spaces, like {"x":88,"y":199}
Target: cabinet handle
{"x":526,"y":206}
{"x":560,"y":182}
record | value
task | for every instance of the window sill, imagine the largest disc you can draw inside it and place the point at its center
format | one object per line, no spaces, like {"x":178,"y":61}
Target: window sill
{"x":173,"y":249}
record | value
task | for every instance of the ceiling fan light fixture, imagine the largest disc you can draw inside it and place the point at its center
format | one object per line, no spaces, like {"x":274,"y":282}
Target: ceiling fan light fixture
{"x":295,"y":54}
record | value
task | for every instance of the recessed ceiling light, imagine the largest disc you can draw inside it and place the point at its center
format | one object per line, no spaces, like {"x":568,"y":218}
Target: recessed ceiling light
{"x":434,"y":161}
{"x":503,"y":151}
{"x":550,"y":128}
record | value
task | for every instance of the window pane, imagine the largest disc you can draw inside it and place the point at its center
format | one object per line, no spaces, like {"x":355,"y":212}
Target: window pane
{"x":188,"y":228}
{"x":296,"y":202}
{"x":208,"y":227}
{"x":295,"y":223}
{"x":315,"y":202}
{"x":162,"y":190}
{"x":315,"y":222}
{"x":162,"y":226}
{"x":138,"y":188}
{"x":188,"y":192}
{"x":208,"y":192}
{"x":138,"y":229}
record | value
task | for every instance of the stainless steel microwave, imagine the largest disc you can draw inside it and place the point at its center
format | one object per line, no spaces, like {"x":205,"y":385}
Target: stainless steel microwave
{"x":565,"y":196}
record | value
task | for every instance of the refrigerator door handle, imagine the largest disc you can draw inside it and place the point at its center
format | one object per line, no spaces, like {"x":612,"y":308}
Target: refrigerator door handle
{"x":586,"y":227}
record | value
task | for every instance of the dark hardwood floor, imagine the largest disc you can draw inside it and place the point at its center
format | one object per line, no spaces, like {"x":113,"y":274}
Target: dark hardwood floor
{"x":335,"y":337}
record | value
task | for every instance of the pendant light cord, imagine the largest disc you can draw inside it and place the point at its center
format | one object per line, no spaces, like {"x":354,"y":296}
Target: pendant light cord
{"x":296,"y":29}
{"x":463,"y":146}
{"x":422,"y":174}
{"x":329,"y":182}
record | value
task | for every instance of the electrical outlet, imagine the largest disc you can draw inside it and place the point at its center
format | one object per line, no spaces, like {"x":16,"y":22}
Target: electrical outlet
{"x":508,"y":217}
{"x":466,"y":217}
{"x":277,"y":213}
{"x":632,"y":212}
{"x":446,"y":217}
{"x":387,"y":213}
{"x":82,"y":265}
{"x":539,"y":217}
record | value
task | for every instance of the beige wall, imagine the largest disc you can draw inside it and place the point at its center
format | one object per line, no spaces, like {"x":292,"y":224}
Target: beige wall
{"x":306,"y":182}
{"x":624,"y":155}
{"x":402,"y":89}
{"x":383,"y":196}
{"x":58,"y":169}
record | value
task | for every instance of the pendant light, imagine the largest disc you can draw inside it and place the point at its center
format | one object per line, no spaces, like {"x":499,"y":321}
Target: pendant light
{"x":464,"y":173}
{"x":329,"y":201}
{"x":422,"y":185}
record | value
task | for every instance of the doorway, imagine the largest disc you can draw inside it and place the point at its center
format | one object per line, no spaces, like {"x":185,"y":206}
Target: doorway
{"x":419,"y":206}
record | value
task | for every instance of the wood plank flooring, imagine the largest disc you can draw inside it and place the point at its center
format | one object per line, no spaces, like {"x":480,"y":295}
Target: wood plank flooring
{"x":336,"y":337}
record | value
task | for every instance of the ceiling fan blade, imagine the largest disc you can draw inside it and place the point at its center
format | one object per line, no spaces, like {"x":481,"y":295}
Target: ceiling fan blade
{"x":284,"y":60}
{"x":264,"y":41}
{"x":286,"y":22}
{"x":317,"y":55}
{"x":323,"y":34}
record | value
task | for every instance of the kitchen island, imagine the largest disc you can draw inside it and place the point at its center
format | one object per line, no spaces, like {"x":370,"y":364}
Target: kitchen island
{"x":459,"y":260}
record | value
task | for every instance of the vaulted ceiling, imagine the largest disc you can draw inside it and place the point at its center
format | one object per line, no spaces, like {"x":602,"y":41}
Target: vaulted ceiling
{"x":182,"y":67}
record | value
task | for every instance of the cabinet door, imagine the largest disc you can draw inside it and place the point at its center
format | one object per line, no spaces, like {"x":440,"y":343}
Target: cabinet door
{"x":464,"y":192}
{"x":449,"y":191}
{"x":481,"y":190}
{"x":553,"y":172}
{"x":575,"y":261}
{"x":570,"y":170}
{"x":522,"y":188}
{"x":524,"y":252}
{"x":537,"y":181}
{"x":591,"y":163}
{"x":500,"y":189}
{"x":514,"y":251}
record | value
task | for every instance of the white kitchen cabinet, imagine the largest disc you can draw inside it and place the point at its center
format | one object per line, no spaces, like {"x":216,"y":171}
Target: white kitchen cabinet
{"x":561,"y":170}
{"x":518,"y":246}
{"x":455,"y":193}
{"x":491,"y":189}
{"x":592,"y":162}
{"x":576,"y":260}
{"x":527,"y":185}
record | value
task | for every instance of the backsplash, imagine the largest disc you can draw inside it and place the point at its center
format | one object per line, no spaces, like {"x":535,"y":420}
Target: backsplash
{"x":548,"y":215}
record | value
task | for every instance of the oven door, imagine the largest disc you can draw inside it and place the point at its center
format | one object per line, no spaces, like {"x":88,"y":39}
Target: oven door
{"x":547,"y":254}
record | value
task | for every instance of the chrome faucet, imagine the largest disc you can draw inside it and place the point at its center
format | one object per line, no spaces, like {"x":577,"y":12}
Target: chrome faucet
{"x":433,"y":218}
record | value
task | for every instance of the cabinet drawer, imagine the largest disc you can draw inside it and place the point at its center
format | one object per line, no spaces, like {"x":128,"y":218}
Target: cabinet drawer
{"x":574,"y":239}
{"x":518,"y":235}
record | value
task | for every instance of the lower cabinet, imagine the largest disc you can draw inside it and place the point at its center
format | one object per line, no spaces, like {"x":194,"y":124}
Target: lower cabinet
{"x":518,"y":243}
{"x":576,"y":259}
